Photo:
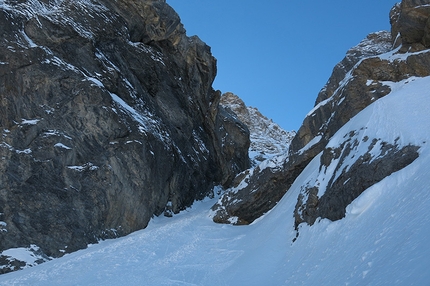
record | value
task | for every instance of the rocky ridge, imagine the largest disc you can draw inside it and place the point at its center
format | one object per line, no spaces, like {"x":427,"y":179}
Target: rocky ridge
{"x":107,"y":118}
{"x":268,"y":139}
{"x":366,"y":74}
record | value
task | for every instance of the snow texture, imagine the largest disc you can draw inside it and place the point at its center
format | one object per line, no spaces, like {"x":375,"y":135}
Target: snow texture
{"x":29,"y":255}
{"x":61,"y":145}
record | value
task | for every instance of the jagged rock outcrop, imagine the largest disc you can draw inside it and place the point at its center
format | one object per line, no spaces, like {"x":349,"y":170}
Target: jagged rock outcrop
{"x":269,"y":145}
{"x":108,"y":117}
{"x":267,"y":138}
{"x":347,"y":178}
{"x":410,"y":25}
{"x":361,"y":78}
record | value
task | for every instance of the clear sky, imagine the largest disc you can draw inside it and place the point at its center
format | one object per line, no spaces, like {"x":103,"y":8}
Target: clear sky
{"x":277,"y":54}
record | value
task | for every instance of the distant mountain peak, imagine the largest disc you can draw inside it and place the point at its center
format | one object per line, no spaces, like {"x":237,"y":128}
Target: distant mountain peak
{"x":267,"y":138}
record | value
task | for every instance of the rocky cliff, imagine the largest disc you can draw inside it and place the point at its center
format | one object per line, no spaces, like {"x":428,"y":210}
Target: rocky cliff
{"x":107,"y":117}
{"x":268,"y":139}
{"x":348,"y":166}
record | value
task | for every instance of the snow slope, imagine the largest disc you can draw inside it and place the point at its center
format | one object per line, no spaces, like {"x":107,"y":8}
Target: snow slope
{"x":383,"y":240}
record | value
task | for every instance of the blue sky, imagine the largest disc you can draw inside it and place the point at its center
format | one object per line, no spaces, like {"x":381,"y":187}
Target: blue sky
{"x":277,"y":54}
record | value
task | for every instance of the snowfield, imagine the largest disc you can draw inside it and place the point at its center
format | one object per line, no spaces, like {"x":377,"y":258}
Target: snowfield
{"x":383,"y":240}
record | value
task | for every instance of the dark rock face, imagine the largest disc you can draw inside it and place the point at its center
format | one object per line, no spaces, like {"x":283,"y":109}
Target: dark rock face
{"x":347,"y":182}
{"x":410,"y":24}
{"x":107,"y":117}
{"x":258,"y":190}
{"x":374,"y":44}
{"x":235,"y":205}
{"x":268,"y":140}
{"x":356,"y":82}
